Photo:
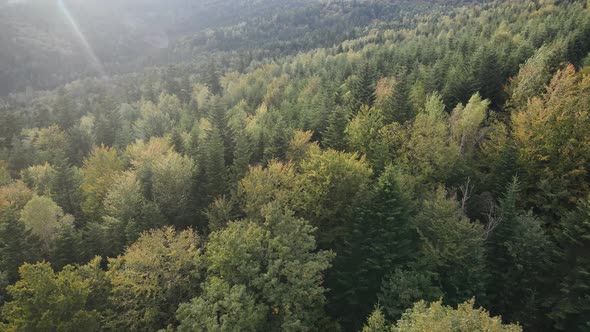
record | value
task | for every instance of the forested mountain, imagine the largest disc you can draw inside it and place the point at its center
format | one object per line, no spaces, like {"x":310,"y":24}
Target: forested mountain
{"x":363,"y":165}
{"x":44,"y":43}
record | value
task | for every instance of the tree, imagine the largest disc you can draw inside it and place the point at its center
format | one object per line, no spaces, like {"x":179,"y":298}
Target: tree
{"x":519,"y":255}
{"x":381,"y":239}
{"x":17,"y":246}
{"x":43,"y":300}
{"x":488,"y":75}
{"x":214,"y":164}
{"x":40,"y":178}
{"x":402,"y":288}
{"x":152,"y":277}
{"x":376,"y":322}
{"x":212,"y":78}
{"x":5,"y":177}
{"x":534,"y":75}
{"x":100,"y":171}
{"x":49,"y":144}
{"x":552,"y":136}
{"x":274,"y":262}
{"x":65,"y":189}
{"x":222,"y":308}
{"x":129,"y":210}
{"x":13,"y":197}
{"x":571,"y":306}
{"x":334,"y":137}
{"x":362,"y":87}
{"x":331,"y":184}
{"x":275,"y":183}
{"x":453,"y":248}
{"x":364,"y":135}
{"x":429,"y":154}
{"x":395,"y":99}
{"x":153,"y":122}
{"x":45,"y":219}
{"x":437,"y":317}
{"x":466,"y":122}
{"x":164,"y":176}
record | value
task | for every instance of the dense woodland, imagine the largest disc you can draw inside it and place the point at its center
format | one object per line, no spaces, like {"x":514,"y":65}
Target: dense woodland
{"x":363,"y":165}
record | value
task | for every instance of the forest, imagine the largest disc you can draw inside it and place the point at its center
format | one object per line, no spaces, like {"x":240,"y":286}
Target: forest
{"x":297,"y":165}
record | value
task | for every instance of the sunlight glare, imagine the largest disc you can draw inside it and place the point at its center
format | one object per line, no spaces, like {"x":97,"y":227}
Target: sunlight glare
{"x":82,"y":39}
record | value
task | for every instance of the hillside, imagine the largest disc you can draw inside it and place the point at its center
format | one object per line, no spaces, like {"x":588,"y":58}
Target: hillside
{"x":297,"y":166}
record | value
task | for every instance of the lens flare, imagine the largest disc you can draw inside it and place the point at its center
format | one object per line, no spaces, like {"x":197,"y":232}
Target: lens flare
{"x":94,"y":60}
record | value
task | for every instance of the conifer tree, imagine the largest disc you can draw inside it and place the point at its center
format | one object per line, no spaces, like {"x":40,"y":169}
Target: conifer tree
{"x":363,"y":87}
{"x":17,"y":246}
{"x":518,"y":257}
{"x":380,"y":240}
{"x":334,"y":136}
{"x":212,"y":78}
{"x":571,"y":310}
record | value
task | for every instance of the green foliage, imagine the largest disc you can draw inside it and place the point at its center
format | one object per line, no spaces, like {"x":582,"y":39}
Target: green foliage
{"x":43,"y":300}
{"x":363,"y":134}
{"x":551,"y":135}
{"x":45,"y":219}
{"x":570,"y":310}
{"x":381,"y":239}
{"x":5,"y":177}
{"x":222,"y":307}
{"x":17,"y":246}
{"x":466,"y":122}
{"x":402,"y":288}
{"x":376,"y":322}
{"x":153,"y":122}
{"x":534,"y":75}
{"x":99,"y":173}
{"x":331,"y":184}
{"x":343,"y":115}
{"x":272,"y":266}
{"x":519,"y":254}
{"x":152,"y":277}
{"x":275,"y":183}
{"x":435,"y":316}
{"x":334,"y":135}
{"x":453,"y":248}
{"x":430,"y":154}
{"x":40,"y":178}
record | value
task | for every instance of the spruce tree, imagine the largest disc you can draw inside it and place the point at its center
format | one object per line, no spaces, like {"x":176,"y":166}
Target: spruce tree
{"x":214,"y":164}
{"x":397,"y":105}
{"x":212,"y":78}
{"x":363,"y":87}
{"x":381,"y":239}
{"x":334,"y":136}
{"x":571,"y":309}
{"x":518,"y":259}
{"x":17,"y":246}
